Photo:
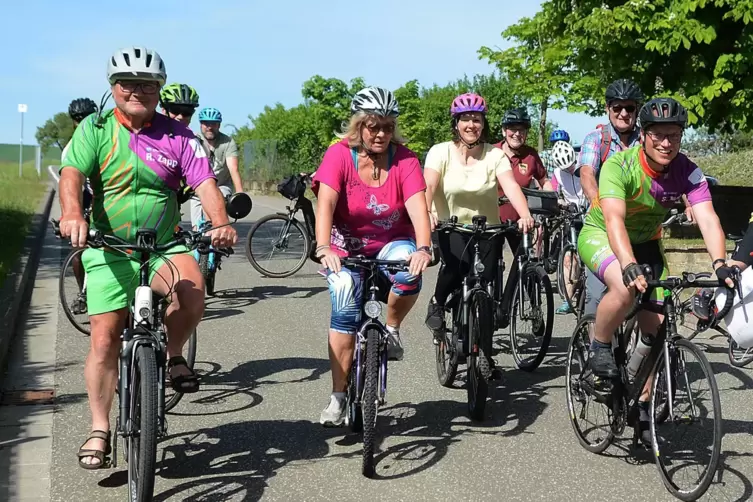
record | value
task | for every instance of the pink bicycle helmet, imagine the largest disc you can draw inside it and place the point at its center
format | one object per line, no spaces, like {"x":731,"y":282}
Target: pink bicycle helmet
{"x":468,"y":102}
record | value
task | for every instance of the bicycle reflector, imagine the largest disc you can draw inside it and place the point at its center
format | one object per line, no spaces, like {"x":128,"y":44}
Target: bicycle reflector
{"x":372,"y":308}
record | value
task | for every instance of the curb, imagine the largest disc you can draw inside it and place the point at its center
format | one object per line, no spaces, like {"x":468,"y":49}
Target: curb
{"x":16,"y":291}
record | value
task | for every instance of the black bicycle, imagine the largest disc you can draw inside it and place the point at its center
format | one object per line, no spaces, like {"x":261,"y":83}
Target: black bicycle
{"x":670,"y":363}
{"x":143,"y":356}
{"x":469,"y":325}
{"x":278,"y":244}
{"x":367,"y":380}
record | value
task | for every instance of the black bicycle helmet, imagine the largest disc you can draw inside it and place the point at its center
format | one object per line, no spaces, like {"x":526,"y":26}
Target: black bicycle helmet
{"x":663,"y":111}
{"x":80,"y":108}
{"x":624,"y":90}
{"x":516,"y":116}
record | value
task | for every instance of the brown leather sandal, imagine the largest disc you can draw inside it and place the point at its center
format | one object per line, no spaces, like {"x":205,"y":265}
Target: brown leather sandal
{"x":100,"y":455}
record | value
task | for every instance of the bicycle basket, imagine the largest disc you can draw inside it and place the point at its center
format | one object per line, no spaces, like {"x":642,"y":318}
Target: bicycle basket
{"x":291,"y":187}
{"x":541,"y":202}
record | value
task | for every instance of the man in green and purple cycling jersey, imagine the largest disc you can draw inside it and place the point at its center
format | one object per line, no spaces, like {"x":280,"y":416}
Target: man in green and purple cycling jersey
{"x":135,"y":159}
{"x":622,"y":230}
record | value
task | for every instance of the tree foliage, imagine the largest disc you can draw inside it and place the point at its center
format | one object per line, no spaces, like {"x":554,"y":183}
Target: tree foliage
{"x":697,"y":51}
{"x":57,"y":131}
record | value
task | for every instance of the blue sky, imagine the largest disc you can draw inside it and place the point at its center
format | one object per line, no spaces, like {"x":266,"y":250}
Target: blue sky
{"x":242,"y":56}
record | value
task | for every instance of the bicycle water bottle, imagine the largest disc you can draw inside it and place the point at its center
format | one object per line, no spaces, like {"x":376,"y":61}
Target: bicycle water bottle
{"x":142,"y":310}
{"x":642,"y":348}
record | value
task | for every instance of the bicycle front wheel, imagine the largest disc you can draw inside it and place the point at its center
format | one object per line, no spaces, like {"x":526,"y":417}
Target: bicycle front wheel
{"x":739,"y":356}
{"x":688,"y":443}
{"x":446,"y":351}
{"x":72,"y":291}
{"x":568,"y":278}
{"x":142,"y":425}
{"x":479,"y":351}
{"x":277,"y":246}
{"x":531,"y":319}
{"x":207,"y":273}
{"x":172,"y":398}
{"x":369,"y":401}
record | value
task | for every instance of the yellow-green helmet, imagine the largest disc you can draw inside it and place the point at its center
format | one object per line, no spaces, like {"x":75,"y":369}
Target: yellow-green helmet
{"x":179,"y":94}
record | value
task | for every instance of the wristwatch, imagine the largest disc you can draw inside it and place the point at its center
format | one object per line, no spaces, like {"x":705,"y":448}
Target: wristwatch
{"x":425,"y":249}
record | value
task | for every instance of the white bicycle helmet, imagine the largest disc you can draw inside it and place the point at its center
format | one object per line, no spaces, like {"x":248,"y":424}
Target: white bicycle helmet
{"x":375,"y":100}
{"x":739,"y":320}
{"x":136,"y":63}
{"x":563,"y":155}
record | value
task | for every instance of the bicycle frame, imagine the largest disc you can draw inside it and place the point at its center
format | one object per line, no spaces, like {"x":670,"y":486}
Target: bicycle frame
{"x":504,"y":295}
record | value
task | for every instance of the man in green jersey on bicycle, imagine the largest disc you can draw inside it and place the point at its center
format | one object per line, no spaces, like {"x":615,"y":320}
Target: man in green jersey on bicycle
{"x":135,"y":159}
{"x":622,"y":229}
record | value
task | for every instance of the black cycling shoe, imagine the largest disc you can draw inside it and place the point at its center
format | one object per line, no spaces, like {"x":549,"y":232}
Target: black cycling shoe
{"x":434,"y":316}
{"x":644,"y":425}
{"x":601,"y":362}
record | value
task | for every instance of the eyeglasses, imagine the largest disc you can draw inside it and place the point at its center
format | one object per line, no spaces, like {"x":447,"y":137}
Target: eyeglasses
{"x":183,"y":110}
{"x":145,"y":87}
{"x":375,"y":128}
{"x":659,"y":137}
{"x":617,"y":109}
{"x":519,"y":132}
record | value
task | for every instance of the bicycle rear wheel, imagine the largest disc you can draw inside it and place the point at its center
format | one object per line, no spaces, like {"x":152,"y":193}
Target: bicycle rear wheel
{"x":446,"y":351}
{"x":72,"y":296}
{"x":277,"y":246}
{"x":533,"y":302}
{"x":141,"y":426}
{"x":479,"y":350}
{"x":172,"y":398}
{"x":694,"y":424}
{"x":369,"y":402}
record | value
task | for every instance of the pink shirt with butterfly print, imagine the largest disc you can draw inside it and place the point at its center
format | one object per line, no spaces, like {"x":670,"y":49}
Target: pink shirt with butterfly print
{"x":366,"y":218}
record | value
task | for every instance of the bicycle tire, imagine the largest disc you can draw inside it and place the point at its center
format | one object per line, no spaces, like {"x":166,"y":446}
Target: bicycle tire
{"x":142,"y":443}
{"x":369,"y":401}
{"x":298,"y":264}
{"x":447,"y":358}
{"x":713,"y":464}
{"x":207,"y":274}
{"x":479,"y":371}
{"x":733,"y":360}
{"x":173,"y":400}
{"x":63,"y":297}
{"x":545,"y":331}
{"x":561,"y":281}
{"x":577,"y":338}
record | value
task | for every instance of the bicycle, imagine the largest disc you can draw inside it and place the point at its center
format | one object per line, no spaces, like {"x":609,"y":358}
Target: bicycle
{"x":282,"y":233}
{"x":143,"y":355}
{"x":470,"y":329}
{"x":211,"y":261}
{"x":367,"y":380}
{"x":666,"y":361}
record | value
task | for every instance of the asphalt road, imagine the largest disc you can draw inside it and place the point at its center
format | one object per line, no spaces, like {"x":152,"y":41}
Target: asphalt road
{"x":252,"y":431}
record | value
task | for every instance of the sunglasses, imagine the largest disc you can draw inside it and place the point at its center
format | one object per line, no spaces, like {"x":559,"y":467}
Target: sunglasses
{"x":375,"y":128}
{"x":618,"y":108}
{"x":145,"y":87}
{"x":185,"y":111}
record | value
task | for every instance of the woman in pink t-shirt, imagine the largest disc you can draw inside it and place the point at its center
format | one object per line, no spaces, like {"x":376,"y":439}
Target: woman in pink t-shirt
{"x":371,"y":202}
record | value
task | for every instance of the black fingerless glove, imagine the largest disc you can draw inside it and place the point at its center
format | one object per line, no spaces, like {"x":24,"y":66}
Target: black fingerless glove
{"x":630,"y":273}
{"x":725,"y":272}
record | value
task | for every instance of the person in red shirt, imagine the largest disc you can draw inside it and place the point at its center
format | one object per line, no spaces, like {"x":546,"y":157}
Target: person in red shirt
{"x":525,"y":160}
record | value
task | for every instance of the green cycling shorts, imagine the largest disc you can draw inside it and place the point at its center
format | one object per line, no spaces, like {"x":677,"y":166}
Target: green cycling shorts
{"x":594,"y":250}
{"x":112,"y":277}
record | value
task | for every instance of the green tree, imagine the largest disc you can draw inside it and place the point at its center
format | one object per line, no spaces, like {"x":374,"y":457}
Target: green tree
{"x":697,"y":51}
{"x":538,"y":65}
{"x":57,"y":131}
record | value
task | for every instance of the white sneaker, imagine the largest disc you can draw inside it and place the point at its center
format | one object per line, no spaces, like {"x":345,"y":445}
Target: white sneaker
{"x":334,"y":414}
{"x":395,"y":349}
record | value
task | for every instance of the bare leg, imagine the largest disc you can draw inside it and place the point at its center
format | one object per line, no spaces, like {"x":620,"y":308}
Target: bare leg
{"x":341,"y":348}
{"x":398,"y":307}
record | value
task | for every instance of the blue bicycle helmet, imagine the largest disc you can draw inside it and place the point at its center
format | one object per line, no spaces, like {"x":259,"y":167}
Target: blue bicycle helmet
{"x":559,"y":135}
{"x":210,"y":115}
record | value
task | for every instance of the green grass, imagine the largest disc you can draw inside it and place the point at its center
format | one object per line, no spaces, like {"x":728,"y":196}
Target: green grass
{"x":19,"y":199}
{"x":731,"y":168}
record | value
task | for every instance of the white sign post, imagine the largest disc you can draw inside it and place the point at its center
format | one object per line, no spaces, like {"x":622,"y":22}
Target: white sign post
{"x":21,"y":109}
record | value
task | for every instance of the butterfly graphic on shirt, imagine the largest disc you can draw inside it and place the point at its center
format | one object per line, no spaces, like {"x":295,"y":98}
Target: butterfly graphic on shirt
{"x":375,"y":206}
{"x":386,"y":224}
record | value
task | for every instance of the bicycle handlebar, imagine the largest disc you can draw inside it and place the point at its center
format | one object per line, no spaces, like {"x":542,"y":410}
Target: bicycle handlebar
{"x":452,"y":224}
{"x":97,"y":239}
{"x":677,"y":217}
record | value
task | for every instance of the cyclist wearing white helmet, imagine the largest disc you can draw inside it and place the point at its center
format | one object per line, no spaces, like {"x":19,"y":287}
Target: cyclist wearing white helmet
{"x":135,"y":158}
{"x":370,"y":192}
{"x":566,"y":181}
{"x":223,"y":157}
{"x":546,"y":155}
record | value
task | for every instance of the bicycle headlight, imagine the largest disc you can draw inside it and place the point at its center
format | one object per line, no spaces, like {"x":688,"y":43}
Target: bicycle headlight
{"x":144,"y":313}
{"x":479,"y":267}
{"x":372,"y":309}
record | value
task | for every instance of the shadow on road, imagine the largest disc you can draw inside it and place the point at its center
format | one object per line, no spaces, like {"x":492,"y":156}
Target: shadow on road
{"x":230,"y":302}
